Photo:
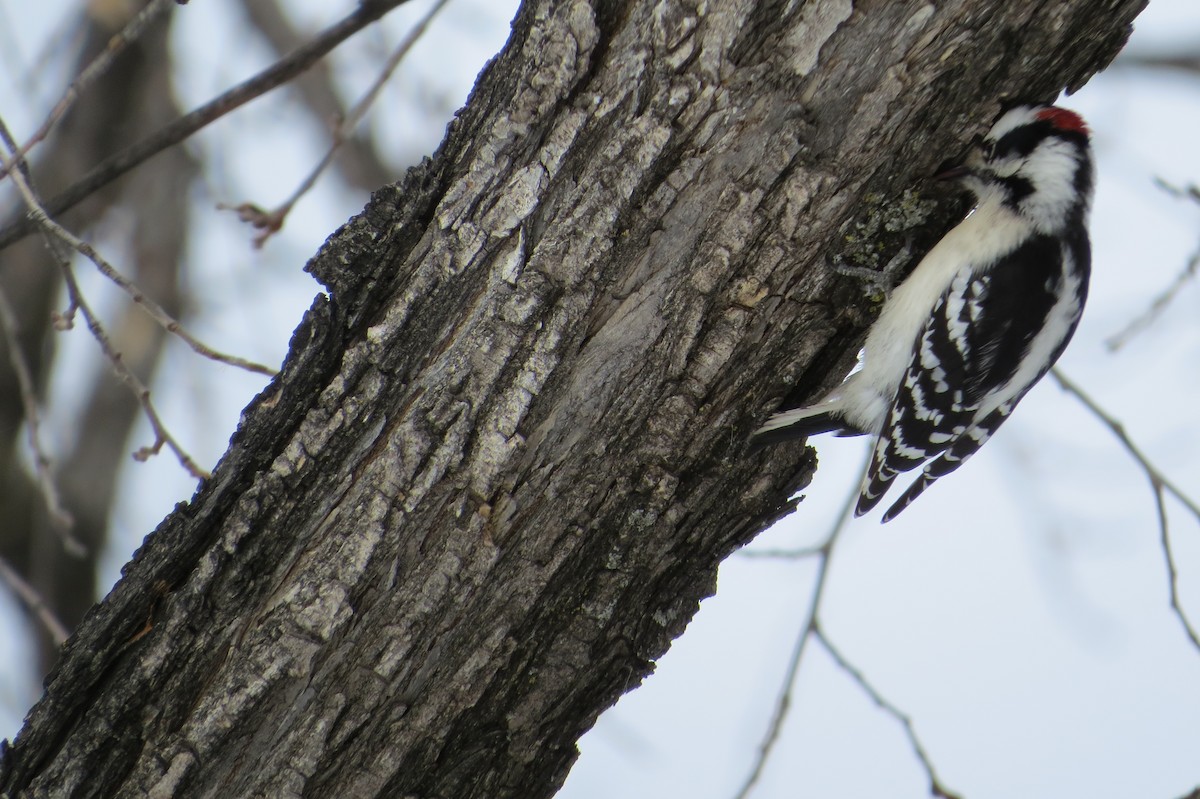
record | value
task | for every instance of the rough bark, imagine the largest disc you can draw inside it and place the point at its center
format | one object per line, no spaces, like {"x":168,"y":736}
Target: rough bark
{"x":506,"y":455}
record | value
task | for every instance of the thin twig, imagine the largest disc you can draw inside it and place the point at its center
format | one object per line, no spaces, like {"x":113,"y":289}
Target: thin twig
{"x":359,"y":163}
{"x":276,"y":75}
{"x":935,"y":786}
{"x":161,"y":434}
{"x":1186,"y":62}
{"x":77,"y":302}
{"x":813,"y":627}
{"x":1169,"y":556}
{"x":100,"y":64}
{"x":34,"y":602}
{"x":271,"y":222}
{"x":1121,"y":338}
{"x":60,"y":518}
{"x":1118,"y":430}
{"x":1158,"y":484}
{"x":799,"y":553}
{"x":784,"y":701}
{"x":1157,"y":306}
{"x":152,"y":308}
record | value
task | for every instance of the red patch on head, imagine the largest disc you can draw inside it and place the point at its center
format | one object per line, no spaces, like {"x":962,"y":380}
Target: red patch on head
{"x":1064,"y":120}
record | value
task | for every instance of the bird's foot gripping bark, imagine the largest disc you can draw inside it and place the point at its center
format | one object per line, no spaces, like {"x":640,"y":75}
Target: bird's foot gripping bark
{"x":878,"y":283}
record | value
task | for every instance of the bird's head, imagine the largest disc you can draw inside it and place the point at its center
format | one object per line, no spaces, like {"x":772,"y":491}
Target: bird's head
{"x":1036,"y":160}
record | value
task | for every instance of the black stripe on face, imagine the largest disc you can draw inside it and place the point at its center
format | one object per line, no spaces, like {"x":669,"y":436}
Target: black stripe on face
{"x":1016,"y":189}
{"x":1021,"y":141}
{"x":1024,"y":140}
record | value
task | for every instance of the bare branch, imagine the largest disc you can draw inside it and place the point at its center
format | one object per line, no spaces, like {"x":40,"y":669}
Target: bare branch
{"x":139,"y":297}
{"x":935,"y":786}
{"x":270,"y":222}
{"x":1172,"y":571}
{"x":33,"y":601}
{"x":812,"y":627}
{"x":152,"y":308}
{"x":276,"y":75}
{"x":61,"y":520}
{"x":55,"y":235}
{"x":784,"y":701}
{"x":799,"y":553}
{"x":1118,"y":430}
{"x":1121,"y":338}
{"x":358,"y":161}
{"x":161,"y":434}
{"x":100,"y":64}
{"x":1184,"y":62}
{"x":1158,"y":484}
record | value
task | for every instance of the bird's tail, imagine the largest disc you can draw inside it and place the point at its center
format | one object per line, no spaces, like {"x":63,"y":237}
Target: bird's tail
{"x":799,"y":423}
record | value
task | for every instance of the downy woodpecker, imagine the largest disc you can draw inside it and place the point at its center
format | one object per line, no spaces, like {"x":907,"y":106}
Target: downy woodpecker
{"x":980,"y":319}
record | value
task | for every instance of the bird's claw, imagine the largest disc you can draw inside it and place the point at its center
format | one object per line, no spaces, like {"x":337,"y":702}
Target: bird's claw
{"x":879,"y":281}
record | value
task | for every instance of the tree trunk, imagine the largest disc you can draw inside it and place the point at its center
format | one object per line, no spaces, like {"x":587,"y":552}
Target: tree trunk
{"x":507,"y":454}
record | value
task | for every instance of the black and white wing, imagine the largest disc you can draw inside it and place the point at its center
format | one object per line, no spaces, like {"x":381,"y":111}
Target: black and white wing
{"x":991,"y":336}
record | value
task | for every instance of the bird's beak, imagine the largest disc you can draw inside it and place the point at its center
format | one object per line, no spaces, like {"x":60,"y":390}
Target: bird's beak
{"x":949,"y":170}
{"x":953,"y":170}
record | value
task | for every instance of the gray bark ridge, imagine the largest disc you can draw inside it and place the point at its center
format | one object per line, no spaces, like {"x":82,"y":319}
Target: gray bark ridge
{"x":506,"y":456}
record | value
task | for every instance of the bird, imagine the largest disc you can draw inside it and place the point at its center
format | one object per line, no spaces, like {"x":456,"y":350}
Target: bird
{"x":980,"y":319}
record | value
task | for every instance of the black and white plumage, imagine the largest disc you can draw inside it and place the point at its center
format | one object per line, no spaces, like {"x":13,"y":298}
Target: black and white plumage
{"x":981,"y":318}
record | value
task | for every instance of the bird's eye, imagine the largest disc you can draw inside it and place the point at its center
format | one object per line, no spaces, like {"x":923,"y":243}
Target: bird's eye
{"x":987,"y":149}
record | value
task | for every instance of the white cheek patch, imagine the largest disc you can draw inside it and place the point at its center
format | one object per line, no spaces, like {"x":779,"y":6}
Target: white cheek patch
{"x":1051,"y":168}
{"x":1015,"y":118}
